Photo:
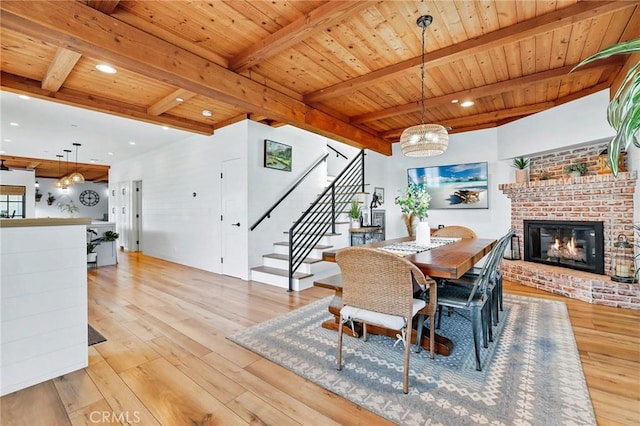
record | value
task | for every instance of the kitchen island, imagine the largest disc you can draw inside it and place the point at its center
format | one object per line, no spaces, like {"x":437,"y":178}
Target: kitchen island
{"x":43,"y":300}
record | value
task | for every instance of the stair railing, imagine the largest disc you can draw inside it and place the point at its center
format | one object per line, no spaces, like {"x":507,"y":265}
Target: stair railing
{"x":321,"y":215}
{"x":294,"y":186}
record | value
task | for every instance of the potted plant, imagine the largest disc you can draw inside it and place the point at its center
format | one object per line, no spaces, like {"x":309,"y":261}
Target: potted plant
{"x":92,"y":256}
{"x":69,"y":208}
{"x":521,"y":165}
{"x":50,"y":199}
{"x":38,"y":195}
{"x":354,"y":214}
{"x":623,"y":112}
{"x":414,"y":203}
{"x":575,"y":170}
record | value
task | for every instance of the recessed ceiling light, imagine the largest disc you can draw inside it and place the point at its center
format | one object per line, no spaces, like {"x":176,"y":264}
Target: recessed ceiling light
{"x":106,"y":68}
{"x":93,"y":160}
{"x":165,"y":127}
{"x":7,"y":140}
{"x":109,"y":153}
{"x":14,"y":124}
{"x":132,"y":143}
{"x":206,"y":113}
{"x":466,"y":104}
{"x":179,"y":99}
{"x":454,"y":101}
{"x":25,"y":97}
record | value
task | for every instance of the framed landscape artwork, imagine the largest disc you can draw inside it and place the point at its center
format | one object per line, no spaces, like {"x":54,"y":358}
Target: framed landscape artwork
{"x":277,"y":155}
{"x":456,"y":186}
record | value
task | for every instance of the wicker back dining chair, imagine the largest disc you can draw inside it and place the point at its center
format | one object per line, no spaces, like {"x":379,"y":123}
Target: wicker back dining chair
{"x":454,"y":231}
{"x":378,"y":289}
{"x":474,"y":297}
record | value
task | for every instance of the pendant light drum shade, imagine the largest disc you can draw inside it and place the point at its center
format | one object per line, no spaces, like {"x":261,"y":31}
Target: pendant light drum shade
{"x":424,"y":140}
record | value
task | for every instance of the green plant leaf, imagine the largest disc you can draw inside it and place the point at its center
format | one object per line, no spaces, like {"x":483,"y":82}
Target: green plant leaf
{"x":630,"y":46}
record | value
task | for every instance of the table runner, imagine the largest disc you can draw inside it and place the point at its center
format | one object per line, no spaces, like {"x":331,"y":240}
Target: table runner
{"x":410,"y":247}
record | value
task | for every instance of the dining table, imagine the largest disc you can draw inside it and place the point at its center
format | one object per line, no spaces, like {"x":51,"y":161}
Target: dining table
{"x":450,"y":261}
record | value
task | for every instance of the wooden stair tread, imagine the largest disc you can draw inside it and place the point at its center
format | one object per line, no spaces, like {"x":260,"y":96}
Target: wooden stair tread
{"x":332,"y":282}
{"x":280,"y":272}
{"x":285,"y":257}
{"x":317,"y":246}
{"x":326,"y":234}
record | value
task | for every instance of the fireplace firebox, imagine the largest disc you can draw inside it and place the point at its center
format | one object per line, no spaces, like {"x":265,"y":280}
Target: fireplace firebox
{"x":570,"y":244}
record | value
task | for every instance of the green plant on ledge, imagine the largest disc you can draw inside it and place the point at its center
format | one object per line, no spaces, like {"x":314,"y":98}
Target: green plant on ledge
{"x":623,"y":112}
{"x":577,"y":167}
{"x":69,"y":208}
{"x":520,"y":163}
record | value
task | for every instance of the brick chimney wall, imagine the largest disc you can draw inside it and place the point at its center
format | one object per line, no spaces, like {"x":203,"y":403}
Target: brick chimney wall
{"x":593,"y":197}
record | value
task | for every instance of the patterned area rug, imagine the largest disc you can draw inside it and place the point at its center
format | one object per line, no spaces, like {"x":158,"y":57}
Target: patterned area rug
{"x":531,"y":372}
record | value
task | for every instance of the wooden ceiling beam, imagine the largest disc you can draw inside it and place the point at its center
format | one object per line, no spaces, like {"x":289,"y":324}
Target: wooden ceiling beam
{"x":32,"y":165}
{"x":319,"y":19}
{"x":21,"y":85}
{"x":488,"y":90}
{"x":59,"y":69}
{"x":170,"y":101}
{"x":99,"y":35}
{"x":508,"y":35}
{"x":104,"y":6}
{"x":479,"y":119}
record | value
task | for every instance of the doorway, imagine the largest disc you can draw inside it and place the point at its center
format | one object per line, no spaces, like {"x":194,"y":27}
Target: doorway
{"x":136,"y":216}
{"x":233,"y":227}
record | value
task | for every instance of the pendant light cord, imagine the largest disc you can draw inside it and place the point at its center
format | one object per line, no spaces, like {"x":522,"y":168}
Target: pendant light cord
{"x":424,"y":29}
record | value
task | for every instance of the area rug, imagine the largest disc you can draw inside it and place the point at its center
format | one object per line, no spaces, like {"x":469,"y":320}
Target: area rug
{"x":531,"y":372}
{"x":94,"y":336}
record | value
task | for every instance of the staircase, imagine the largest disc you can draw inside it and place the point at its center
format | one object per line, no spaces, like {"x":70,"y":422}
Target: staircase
{"x":296,"y":263}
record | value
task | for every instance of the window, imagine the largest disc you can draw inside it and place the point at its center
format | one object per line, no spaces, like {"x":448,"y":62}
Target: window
{"x":12,"y":201}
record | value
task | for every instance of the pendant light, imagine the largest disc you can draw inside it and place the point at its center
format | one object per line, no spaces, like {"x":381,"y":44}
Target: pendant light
{"x":75,"y":176}
{"x":424,"y":140}
{"x":58,"y":182}
{"x":67,"y":181}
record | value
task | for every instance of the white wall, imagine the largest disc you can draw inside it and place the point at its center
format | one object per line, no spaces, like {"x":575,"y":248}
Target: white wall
{"x":268,"y":185}
{"x":185,"y":229}
{"x":391,"y":174}
{"x":580,"y":122}
{"x":24,"y":178}
{"x":97,"y":212}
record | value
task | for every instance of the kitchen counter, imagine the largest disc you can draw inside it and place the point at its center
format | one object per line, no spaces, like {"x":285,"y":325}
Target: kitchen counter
{"x":43,"y":300}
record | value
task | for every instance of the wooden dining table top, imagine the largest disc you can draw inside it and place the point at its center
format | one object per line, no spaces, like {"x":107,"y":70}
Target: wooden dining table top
{"x":450,"y":261}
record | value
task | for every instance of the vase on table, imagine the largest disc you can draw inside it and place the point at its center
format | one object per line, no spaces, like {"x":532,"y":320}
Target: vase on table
{"x":423,"y":233}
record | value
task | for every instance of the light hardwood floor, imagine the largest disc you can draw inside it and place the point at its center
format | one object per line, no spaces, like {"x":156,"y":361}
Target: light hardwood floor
{"x":167,"y":361}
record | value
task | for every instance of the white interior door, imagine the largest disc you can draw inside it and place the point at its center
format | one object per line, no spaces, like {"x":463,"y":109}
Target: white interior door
{"x":136,"y":217}
{"x":233,"y":229}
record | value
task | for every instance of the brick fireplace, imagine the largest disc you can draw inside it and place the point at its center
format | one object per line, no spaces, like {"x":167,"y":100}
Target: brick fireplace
{"x":593,"y":197}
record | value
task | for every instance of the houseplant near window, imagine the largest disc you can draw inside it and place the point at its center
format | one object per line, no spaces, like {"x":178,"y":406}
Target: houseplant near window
{"x":521,"y":165}
{"x":623,"y":112}
{"x":414,"y":203}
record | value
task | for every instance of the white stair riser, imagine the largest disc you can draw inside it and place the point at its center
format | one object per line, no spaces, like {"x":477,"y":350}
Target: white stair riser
{"x":273,"y":280}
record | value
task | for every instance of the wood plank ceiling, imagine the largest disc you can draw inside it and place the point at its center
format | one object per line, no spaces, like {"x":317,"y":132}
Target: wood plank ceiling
{"x":349,"y":70}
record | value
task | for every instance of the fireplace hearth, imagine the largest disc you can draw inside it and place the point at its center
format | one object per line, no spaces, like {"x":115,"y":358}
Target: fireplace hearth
{"x":570,"y":244}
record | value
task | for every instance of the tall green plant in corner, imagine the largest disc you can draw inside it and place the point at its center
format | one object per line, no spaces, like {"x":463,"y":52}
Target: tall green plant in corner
{"x":623,"y":112}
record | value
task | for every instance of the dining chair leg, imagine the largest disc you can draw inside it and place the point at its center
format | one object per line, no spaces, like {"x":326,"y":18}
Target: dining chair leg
{"x":432,"y":336}
{"x":339,"y":355}
{"x":439,"y":317}
{"x":476,"y":322}
{"x":407,"y":347}
{"x":420,"y":329}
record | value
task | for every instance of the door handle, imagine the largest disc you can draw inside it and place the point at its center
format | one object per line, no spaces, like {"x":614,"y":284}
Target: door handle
{"x":235,"y":224}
